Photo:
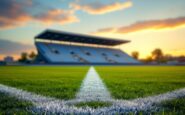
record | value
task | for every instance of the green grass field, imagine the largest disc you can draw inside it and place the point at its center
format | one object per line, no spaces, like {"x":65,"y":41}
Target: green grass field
{"x":63,"y":82}
{"x":9,"y":105}
{"x":129,"y":82}
{"x":124,"y":82}
{"x":93,"y":104}
{"x":59,"y":82}
{"x":173,"y":107}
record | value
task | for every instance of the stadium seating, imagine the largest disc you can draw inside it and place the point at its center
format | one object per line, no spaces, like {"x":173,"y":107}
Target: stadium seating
{"x":60,"y":53}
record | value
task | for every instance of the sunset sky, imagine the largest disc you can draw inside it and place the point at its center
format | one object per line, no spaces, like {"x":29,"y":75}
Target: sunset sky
{"x":149,"y":24}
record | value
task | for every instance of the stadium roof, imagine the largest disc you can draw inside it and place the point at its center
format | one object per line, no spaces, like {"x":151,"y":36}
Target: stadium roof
{"x":78,"y":38}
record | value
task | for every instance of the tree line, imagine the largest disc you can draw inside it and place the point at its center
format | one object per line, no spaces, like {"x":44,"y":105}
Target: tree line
{"x":156,"y":56}
{"x":27,"y":57}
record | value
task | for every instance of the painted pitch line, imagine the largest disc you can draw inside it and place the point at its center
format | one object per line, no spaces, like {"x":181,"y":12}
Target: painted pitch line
{"x":149,"y":103}
{"x":92,"y":88}
{"x":54,"y":106}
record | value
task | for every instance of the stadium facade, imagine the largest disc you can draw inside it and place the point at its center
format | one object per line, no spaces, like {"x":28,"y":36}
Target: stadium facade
{"x":57,"y":47}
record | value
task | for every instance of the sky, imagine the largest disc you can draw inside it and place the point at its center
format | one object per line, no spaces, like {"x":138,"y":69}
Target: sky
{"x":148,"y":24}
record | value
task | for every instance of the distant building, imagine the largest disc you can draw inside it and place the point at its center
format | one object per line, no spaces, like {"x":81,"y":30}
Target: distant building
{"x":181,"y":60}
{"x":8,"y":59}
{"x":177,"y":61}
{"x":174,"y":62}
{"x":2,"y":63}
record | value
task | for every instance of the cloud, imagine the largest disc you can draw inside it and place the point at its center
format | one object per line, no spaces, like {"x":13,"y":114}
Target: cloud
{"x":12,"y":14}
{"x":100,"y":8}
{"x":145,"y":25}
{"x":11,"y":48}
{"x":15,"y":13}
{"x":57,"y":16}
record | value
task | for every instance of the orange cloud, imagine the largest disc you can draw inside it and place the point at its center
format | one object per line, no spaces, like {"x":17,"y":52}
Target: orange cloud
{"x":12,"y":22}
{"x":99,"y":8}
{"x":146,"y":25}
{"x":57,"y":16}
{"x":14,"y":13}
{"x":51,"y":17}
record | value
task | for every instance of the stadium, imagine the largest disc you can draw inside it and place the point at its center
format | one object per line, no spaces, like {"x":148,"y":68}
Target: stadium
{"x":55,"y":47}
{"x":86,"y":80}
{"x":92,"y":57}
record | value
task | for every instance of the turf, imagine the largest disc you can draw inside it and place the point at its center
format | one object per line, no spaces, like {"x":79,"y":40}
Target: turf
{"x":129,"y":82}
{"x":124,"y":82}
{"x":56,"y":81}
{"x":170,"y":107}
{"x":93,"y":104}
{"x":10,"y":105}
{"x":176,"y":106}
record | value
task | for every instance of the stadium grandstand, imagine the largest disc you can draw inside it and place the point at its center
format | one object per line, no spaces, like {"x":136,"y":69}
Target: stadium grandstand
{"x":57,"y":47}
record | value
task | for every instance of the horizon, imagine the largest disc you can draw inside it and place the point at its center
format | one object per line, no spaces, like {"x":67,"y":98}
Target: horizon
{"x":147,"y":24}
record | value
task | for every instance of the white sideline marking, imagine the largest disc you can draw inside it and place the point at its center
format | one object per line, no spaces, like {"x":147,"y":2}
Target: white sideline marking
{"x":56,"y":106}
{"x":92,"y":88}
{"x":148,"y":103}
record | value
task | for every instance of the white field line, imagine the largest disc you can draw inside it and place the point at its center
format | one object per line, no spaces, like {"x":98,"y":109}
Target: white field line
{"x":52,"y":105}
{"x":92,"y":88}
{"x":55,"y":106}
{"x":150,"y":102}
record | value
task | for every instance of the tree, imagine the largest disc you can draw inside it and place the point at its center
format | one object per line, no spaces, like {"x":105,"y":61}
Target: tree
{"x":135,"y":54}
{"x":157,"y":55}
{"x":148,"y":59}
{"x":24,"y":57}
{"x":32,"y":55}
